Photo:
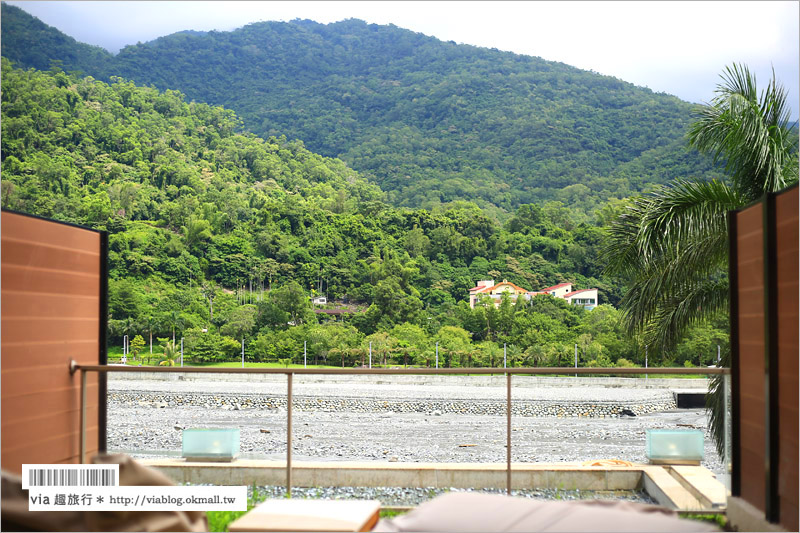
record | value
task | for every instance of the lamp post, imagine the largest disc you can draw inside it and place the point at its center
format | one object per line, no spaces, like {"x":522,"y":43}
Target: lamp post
{"x":242,"y":351}
{"x":504,"y":355}
{"x":370,"y":354}
{"x":576,"y":359}
{"x":181,"y":351}
{"x":437,"y":355}
{"x":645,"y":359}
{"x":305,"y":355}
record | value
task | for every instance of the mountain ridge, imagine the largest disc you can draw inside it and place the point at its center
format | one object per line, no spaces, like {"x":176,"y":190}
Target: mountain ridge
{"x":428,"y":121}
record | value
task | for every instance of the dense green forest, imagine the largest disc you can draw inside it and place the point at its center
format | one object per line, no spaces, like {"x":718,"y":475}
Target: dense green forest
{"x":430,"y":122}
{"x":225,"y":231}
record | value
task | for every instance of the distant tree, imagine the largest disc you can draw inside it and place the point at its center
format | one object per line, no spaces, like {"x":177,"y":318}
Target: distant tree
{"x":174,"y":320}
{"x":291,"y":299}
{"x":151,"y":323}
{"x":136,"y":346}
{"x":453,"y":341}
{"x":241,"y":321}
{"x":210,"y":293}
{"x":170,"y":354}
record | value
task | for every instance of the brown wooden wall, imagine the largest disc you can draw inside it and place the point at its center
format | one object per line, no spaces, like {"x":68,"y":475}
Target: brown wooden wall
{"x":765,"y":351}
{"x":750,"y":286}
{"x":53,"y":290}
{"x":786,"y":236}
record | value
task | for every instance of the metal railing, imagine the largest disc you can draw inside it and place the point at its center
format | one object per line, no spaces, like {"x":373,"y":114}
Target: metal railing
{"x":290,"y":372}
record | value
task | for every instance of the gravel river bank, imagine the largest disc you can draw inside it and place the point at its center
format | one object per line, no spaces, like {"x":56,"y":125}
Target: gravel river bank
{"x":145,"y":418}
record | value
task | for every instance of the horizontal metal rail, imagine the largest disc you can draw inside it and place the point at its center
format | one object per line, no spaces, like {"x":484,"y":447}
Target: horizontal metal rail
{"x":400,"y":371}
{"x":290,"y":372}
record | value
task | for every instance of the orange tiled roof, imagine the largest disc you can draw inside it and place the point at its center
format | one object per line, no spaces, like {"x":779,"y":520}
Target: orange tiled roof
{"x":508,"y":283}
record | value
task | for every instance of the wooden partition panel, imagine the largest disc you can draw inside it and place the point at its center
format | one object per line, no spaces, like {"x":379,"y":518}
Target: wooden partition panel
{"x":764,"y":354}
{"x":54,"y":280}
{"x":751,"y":405}
{"x":787,"y":319}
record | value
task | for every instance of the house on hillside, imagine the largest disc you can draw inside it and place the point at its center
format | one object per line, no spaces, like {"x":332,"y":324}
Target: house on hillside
{"x":586,"y":298}
{"x":559,"y":291}
{"x":495,"y":291}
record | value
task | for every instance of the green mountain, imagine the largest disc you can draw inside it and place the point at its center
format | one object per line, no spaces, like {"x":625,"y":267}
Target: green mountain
{"x":34,"y":44}
{"x":198,"y":213}
{"x":429,"y":121}
{"x":189,"y":200}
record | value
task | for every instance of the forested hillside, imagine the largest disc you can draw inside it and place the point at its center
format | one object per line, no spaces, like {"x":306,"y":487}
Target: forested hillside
{"x":33,"y":43}
{"x":429,"y":121}
{"x":204,"y":221}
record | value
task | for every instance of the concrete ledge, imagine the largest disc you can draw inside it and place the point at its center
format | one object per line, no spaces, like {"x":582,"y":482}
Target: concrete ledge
{"x":668,"y":491}
{"x":375,"y":474}
{"x":702,"y":484}
{"x":656,"y":480}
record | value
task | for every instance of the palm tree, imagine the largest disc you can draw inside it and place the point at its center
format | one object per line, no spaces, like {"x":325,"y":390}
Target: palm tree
{"x":129,"y":327}
{"x":672,"y":244}
{"x":151,"y":323}
{"x":170,"y":354}
{"x":209,"y":292}
{"x":174,"y":320}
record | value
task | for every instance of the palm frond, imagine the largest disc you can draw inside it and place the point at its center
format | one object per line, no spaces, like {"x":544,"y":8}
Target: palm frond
{"x":670,"y":220}
{"x":683,"y":214}
{"x":750,"y":131}
{"x":715,"y":403}
{"x":663,"y":286}
{"x":620,"y":253}
{"x":694,"y":303}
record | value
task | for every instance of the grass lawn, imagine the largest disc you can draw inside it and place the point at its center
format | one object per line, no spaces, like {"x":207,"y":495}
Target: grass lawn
{"x":115,"y":353}
{"x":238,"y":364}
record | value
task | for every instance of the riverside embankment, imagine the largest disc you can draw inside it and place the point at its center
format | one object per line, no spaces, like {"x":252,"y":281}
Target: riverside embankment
{"x":457,"y":419}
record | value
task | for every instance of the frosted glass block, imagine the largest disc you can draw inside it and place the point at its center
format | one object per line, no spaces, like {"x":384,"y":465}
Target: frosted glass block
{"x":210,"y":444}
{"x":675,"y":445}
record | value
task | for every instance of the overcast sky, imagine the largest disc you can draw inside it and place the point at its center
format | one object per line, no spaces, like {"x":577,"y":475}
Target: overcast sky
{"x":674,"y":47}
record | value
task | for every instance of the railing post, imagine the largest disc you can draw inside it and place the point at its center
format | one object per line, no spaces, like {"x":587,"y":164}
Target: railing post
{"x":289,"y":434}
{"x":508,"y":433}
{"x":83,"y":417}
{"x":726,"y":389}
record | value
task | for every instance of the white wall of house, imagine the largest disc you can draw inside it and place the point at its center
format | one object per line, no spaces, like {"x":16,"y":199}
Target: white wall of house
{"x":587,"y":298}
{"x":562,"y":291}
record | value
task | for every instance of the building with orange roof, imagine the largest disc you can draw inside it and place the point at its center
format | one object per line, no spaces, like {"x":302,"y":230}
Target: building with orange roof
{"x":587,"y":298}
{"x":495,"y":291}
